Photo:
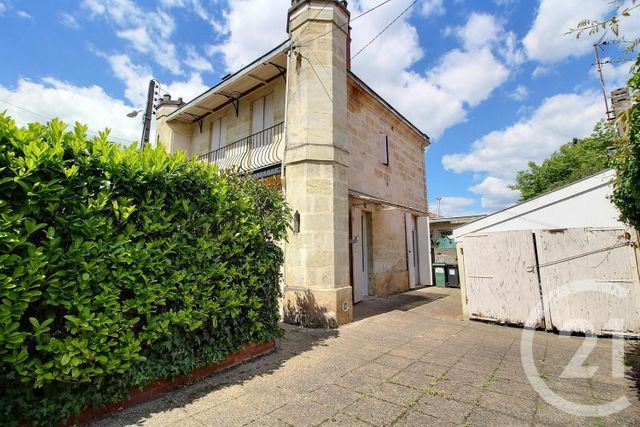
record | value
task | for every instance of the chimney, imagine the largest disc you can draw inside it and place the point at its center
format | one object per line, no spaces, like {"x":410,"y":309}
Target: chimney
{"x":620,"y":102}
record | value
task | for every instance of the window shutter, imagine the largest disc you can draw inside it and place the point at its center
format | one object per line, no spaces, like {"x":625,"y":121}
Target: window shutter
{"x":384,"y":149}
{"x":215,"y":134}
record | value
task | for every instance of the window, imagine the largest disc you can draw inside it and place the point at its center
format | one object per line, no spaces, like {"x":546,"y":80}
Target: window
{"x":218,"y":133}
{"x":384,"y":149}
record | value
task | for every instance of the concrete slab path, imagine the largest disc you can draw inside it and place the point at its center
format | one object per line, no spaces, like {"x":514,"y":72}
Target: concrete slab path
{"x":407,"y":360}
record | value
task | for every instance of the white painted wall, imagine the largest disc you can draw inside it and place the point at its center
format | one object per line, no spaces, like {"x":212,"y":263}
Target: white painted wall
{"x":584,"y":204}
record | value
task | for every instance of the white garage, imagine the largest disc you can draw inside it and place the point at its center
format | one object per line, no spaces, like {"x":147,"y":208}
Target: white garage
{"x":562,"y":261}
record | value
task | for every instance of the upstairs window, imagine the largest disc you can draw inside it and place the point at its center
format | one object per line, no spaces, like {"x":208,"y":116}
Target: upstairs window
{"x":384,"y":148}
{"x":218,"y":133}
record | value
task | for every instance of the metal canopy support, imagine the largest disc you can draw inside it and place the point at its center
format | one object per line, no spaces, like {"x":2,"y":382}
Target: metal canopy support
{"x":235,"y":100}
{"x":282,"y":70}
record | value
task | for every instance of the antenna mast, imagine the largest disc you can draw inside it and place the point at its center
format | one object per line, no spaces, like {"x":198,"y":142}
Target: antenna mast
{"x":610,"y":114}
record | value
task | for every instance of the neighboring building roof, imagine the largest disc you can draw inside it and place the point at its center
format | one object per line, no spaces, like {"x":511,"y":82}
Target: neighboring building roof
{"x":582,"y":204}
{"x":457,"y":220}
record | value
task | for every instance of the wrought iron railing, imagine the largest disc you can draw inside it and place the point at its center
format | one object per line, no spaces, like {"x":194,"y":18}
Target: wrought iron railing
{"x":255,"y":152}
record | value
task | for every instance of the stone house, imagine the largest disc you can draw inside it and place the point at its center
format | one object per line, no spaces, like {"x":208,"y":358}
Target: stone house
{"x":351,"y":166}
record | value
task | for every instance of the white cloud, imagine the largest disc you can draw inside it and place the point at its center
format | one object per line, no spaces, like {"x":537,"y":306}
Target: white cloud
{"x":454,"y":206}
{"x":432,"y":8}
{"x":469,"y":76}
{"x":541,"y":71}
{"x":197,"y":62}
{"x":520,"y":93}
{"x":69,"y":21}
{"x":480,"y":30}
{"x":500,"y":154}
{"x":196,"y":7}
{"x":254,"y":27}
{"x":136,"y":80}
{"x":24,"y":15}
{"x":148,"y":32}
{"x":462,"y":78}
{"x":187,"y":89}
{"x":49,"y":98}
{"x":546,"y":40}
{"x":495,"y":193}
{"x":3,"y":8}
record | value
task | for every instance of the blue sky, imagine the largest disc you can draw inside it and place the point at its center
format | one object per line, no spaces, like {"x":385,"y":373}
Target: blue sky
{"x":495,"y":83}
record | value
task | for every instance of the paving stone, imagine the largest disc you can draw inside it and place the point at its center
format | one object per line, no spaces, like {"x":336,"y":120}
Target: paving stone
{"x":547,"y":415}
{"x":374,"y":411}
{"x":467,"y":377}
{"x":230,"y":414}
{"x":415,"y":418}
{"x":304,"y":413}
{"x":445,"y":409}
{"x":358,"y":383}
{"x":512,"y":406}
{"x":377,"y":370}
{"x":156,"y":412}
{"x":395,"y":393}
{"x":394,"y":361}
{"x":344,"y":420}
{"x":269,"y":400}
{"x":485,"y":417}
{"x":363,"y":374}
{"x":413,"y":380}
{"x":456,"y":391}
{"x":267,"y":421}
{"x":334,"y":396}
{"x":424,"y":368}
{"x":512,"y":388}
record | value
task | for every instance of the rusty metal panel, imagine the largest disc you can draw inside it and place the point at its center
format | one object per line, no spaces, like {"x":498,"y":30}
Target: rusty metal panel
{"x":500,"y":285}
{"x":590,"y":281}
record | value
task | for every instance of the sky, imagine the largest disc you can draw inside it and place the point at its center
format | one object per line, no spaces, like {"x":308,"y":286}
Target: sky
{"x":494,"y":83}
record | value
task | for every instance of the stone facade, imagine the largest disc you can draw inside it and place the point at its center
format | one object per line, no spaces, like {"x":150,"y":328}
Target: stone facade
{"x":402,"y":181}
{"x":331,"y":163}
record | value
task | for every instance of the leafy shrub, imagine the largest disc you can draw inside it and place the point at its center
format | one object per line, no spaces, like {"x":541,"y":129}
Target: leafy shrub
{"x":626,"y":161}
{"x":121,"y":266}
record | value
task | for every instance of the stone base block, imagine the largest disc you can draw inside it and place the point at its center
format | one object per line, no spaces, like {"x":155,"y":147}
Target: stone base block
{"x":318,"y":308}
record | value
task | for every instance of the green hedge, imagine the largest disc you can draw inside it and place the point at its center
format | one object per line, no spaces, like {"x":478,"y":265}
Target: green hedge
{"x":121,"y":266}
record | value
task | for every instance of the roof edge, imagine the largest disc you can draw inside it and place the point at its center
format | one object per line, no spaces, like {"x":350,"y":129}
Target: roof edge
{"x":280,"y":48}
{"x":389,"y":106}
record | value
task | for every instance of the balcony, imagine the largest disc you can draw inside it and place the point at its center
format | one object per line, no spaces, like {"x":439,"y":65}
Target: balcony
{"x":255,"y":153}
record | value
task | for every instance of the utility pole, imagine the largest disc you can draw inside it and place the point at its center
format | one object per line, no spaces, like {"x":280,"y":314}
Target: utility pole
{"x":438,"y":199}
{"x":148,"y":112}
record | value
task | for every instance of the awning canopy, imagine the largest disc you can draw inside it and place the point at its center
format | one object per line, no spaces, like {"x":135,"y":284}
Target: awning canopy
{"x":262,"y":71}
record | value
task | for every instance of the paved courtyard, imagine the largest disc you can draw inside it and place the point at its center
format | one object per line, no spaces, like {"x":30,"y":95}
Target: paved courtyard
{"x":407,"y":360}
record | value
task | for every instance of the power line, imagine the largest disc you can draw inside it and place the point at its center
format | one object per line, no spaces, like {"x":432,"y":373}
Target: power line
{"x":384,"y":29}
{"x":352,"y":20}
{"x":317,"y":76}
{"x":314,"y":18}
{"x":49,"y":119}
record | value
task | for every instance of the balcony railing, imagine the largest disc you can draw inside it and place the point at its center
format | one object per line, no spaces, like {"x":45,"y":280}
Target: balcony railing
{"x":258,"y":151}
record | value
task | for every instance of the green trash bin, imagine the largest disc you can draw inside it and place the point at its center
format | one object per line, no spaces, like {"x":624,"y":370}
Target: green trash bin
{"x":440,"y":274}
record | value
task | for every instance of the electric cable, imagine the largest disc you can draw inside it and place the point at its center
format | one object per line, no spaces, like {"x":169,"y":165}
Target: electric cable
{"x":383,"y":30}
